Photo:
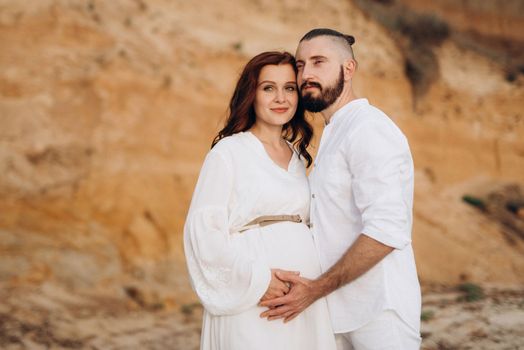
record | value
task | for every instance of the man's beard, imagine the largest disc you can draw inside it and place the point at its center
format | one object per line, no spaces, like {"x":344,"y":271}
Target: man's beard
{"x":327,"y":97}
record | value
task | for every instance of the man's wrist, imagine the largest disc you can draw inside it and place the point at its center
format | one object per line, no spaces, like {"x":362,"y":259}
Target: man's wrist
{"x":321,"y":287}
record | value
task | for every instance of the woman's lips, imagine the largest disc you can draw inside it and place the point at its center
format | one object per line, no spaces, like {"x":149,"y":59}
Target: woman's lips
{"x":279,"y":110}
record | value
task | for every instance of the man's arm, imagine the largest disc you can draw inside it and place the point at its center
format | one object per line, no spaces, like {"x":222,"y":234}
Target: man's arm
{"x":365,"y":253}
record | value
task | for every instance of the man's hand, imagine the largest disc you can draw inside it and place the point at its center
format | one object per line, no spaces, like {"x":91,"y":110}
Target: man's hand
{"x":277,"y":288}
{"x":302,"y":294}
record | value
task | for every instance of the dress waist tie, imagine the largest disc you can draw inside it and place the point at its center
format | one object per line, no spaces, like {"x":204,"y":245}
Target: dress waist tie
{"x":265,"y":220}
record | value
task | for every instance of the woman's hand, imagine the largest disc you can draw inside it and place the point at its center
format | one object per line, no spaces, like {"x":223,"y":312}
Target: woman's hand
{"x":302,"y":294}
{"x":277,"y":288}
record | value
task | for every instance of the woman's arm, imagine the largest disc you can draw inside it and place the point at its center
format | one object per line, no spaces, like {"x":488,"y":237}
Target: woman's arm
{"x":226,"y":280}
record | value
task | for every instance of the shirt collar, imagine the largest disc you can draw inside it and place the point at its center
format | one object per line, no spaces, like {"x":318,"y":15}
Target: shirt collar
{"x":346,"y":108}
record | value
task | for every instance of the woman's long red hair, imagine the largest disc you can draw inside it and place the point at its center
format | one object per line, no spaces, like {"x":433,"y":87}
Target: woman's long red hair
{"x":242,"y":116}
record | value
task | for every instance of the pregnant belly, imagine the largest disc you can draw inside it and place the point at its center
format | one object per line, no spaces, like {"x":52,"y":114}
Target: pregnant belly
{"x":285,"y":245}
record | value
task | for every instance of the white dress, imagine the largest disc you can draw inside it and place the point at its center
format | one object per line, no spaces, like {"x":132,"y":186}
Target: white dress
{"x":230,"y":271}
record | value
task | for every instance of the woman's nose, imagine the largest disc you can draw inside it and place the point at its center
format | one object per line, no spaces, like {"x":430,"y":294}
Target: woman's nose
{"x":280,"y":96}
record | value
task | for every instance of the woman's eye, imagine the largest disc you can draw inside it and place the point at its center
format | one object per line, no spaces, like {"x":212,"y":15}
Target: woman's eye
{"x":268,"y":88}
{"x":291,"y":88}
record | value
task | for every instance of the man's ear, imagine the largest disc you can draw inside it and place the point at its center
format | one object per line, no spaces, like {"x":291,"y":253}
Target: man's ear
{"x":350,"y":67}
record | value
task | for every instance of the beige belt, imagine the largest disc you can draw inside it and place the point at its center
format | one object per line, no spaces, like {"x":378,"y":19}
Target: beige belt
{"x":265,"y":220}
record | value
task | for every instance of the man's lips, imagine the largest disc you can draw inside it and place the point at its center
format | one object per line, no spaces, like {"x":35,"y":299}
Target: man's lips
{"x":280,"y":109}
{"x":310,"y":85}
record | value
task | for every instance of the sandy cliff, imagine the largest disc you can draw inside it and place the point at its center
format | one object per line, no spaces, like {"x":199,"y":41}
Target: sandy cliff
{"x":108,"y":108}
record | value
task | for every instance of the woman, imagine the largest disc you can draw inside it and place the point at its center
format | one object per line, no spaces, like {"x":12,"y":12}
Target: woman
{"x":248,"y":216}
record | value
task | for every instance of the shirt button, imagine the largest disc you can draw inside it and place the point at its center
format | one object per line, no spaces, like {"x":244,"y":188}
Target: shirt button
{"x":313,"y":195}
{"x":310,"y":225}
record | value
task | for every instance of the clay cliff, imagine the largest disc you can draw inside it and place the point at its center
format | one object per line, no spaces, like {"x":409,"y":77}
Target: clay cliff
{"x":108,"y":108}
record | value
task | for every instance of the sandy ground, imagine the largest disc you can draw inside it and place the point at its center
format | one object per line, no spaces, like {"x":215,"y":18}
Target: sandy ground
{"x":494,"y":322}
{"x":49,"y":317}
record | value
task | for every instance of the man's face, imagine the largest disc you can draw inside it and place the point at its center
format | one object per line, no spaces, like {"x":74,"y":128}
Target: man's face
{"x":320,"y":73}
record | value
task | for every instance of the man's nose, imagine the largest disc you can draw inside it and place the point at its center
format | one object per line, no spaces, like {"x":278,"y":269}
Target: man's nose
{"x":305,"y":74}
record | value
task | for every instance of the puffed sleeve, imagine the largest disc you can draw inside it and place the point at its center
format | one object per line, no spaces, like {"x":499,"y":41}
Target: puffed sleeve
{"x":382,"y":184}
{"x":226,"y":280}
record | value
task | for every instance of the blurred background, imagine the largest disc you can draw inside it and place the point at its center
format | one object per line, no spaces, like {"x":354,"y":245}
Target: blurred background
{"x":107,"y":109}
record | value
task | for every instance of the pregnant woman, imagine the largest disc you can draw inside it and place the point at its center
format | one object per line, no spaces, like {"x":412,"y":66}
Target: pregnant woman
{"x":249,"y":213}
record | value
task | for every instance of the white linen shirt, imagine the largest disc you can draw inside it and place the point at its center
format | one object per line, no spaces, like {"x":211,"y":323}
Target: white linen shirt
{"x":362,"y":182}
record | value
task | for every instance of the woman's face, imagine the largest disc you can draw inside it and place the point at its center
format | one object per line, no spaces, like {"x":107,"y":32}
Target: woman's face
{"x":276,"y":97}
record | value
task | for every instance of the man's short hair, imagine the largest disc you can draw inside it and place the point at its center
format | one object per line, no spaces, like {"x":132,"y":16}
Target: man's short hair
{"x":346,"y":40}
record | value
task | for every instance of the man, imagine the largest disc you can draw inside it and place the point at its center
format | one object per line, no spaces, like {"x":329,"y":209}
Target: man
{"x":361,"y":209}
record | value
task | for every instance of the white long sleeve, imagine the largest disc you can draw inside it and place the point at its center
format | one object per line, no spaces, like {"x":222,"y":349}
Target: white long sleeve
{"x":381,"y":167}
{"x":226,"y":279}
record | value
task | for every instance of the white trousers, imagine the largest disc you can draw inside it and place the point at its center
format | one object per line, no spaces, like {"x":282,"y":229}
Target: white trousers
{"x":387,"y":332}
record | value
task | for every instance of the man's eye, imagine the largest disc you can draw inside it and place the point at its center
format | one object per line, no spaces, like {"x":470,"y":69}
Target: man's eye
{"x":317,"y":62}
